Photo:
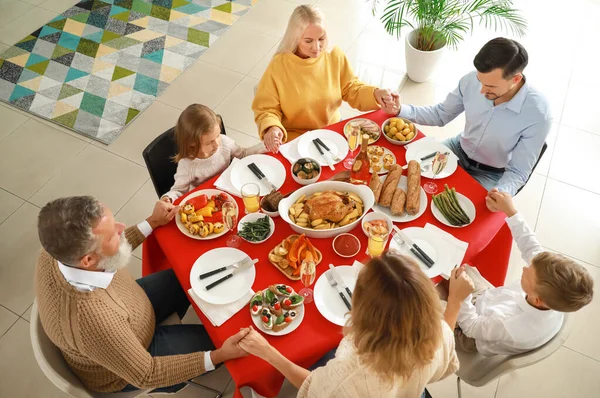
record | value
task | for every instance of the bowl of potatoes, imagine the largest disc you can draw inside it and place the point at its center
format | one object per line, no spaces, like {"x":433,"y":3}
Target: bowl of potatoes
{"x":399,"y":131}
{"x":326,"y":209}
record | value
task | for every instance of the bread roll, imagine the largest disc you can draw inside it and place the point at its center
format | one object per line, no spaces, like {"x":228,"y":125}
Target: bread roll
{"x":413,"y":191}
{"x":389,"y":186}
{"x":375,"y":185}
{"x":398,"y":202}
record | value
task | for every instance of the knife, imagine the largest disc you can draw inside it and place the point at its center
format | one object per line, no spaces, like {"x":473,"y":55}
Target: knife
{"x":412,"y":245}
{"x":339,"y":280}
{"x":323,"y":154}
{"x":261,"y":177}
{"x":432,"y":154}
{"x":335,"y":285}
{"x":237,"y":264}
{"x":237,"y":270}
{"x":337,"y":159}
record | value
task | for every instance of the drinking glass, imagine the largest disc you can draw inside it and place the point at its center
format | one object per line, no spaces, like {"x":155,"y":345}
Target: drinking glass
{"x":230,"y":219}
{"x":377,"y":242}
{"x":353,"y":143}
{"x":251,"y":196}
{"x":308,"y":272}
{"x":431,"y":187}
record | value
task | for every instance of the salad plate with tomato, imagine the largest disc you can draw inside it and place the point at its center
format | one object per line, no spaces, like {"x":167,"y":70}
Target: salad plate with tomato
{"x":277,"y":310}
{"x":200,"y":216}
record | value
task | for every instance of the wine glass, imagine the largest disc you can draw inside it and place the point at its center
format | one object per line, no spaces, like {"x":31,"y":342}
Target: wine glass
{"x":353,"y":136}
{"x":438,"y":164}
{"x":308,"y":272}
{"x":230,"y":219}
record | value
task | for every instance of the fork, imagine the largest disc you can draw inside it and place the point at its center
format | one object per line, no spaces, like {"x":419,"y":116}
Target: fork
{"x":334,"y":284}
{"x":240,"y":264}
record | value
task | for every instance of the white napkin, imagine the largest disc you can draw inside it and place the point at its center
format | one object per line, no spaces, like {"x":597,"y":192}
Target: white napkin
{"x":457,"y":248}
{"x":224,"y":180}
{"x":218,"y":314}
{"x":289,"y":150}
{"x":419,"y":142}
{"x":357,"y":266}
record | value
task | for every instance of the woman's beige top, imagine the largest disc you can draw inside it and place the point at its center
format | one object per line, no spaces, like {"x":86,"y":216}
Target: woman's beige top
{"x":346,"y":376}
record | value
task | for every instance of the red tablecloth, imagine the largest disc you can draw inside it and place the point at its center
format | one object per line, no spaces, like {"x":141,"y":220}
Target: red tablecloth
{"x":489,"y":249}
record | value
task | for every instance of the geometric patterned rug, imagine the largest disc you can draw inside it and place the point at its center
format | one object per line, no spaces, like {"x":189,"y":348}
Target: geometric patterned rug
{"x":96,"y":66}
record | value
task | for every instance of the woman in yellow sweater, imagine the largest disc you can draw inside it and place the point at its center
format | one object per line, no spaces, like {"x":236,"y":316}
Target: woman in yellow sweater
{"x":304,"y":85}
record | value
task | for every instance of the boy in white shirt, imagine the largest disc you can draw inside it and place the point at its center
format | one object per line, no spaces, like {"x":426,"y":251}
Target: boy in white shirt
{"x":524,"y":315}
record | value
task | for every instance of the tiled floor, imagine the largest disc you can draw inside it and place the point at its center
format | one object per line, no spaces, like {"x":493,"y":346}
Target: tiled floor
{"x":40,"y":161}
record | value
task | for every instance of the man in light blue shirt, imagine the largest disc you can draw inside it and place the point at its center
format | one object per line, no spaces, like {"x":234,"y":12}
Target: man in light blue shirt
{"x":507,"y":120}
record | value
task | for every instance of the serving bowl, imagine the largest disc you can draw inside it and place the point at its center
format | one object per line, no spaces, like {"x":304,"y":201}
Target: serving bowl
{"x":363,"y":191}
{"x":376,"y":215}
{"x":396,"y":141}
{"x":299,"y":163}
{"x":254,"y":217}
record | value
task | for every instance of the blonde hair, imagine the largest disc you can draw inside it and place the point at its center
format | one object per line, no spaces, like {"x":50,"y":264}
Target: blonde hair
{"x":301,"y":18}
{"x":396,"y":317}
{"x":562,"y":284}
{"x":193,"y":122}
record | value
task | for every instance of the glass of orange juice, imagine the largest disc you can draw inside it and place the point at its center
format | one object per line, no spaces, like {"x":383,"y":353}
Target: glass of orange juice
{"x":251,"y":197}
{"x":377,"y":242}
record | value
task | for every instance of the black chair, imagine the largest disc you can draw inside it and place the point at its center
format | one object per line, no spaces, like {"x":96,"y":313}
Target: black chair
{"x":544,"y":147}
{"x":158,"y":156}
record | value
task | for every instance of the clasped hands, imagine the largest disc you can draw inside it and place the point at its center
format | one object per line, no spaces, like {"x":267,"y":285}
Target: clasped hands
{"x":246,"y":341}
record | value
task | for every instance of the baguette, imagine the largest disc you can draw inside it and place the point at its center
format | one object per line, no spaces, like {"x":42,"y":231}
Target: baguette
{"x":375,"y":185}
{"x":398,"y":202}
{"x":389,"y":186}
{"x":413,"y":191}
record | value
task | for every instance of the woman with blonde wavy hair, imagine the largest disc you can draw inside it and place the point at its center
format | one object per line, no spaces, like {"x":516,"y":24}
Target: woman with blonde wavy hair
{"x":396,"y":341}
{"x":305,"y":83}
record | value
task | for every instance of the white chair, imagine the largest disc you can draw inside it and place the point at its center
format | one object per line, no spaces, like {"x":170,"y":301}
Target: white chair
{"x":478,"y":370}
{"x":52,"y":363}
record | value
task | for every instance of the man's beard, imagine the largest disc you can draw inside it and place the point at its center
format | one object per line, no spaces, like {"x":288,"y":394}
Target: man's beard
{"x":118,"y":260}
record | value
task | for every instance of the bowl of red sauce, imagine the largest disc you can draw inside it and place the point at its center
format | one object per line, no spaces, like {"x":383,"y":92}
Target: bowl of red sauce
{"x":346,"y":245}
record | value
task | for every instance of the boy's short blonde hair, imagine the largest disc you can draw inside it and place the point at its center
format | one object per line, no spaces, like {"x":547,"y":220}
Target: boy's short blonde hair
{"x":562,"y":284}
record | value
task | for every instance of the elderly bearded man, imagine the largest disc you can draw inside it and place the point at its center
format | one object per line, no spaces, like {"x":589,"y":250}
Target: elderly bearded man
{"x":105,"y":323}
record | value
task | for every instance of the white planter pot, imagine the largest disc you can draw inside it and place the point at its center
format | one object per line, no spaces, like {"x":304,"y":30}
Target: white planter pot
{"x":420,"y":65}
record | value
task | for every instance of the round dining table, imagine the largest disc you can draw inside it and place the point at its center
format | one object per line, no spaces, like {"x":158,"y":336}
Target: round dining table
{"x":489,"y":249}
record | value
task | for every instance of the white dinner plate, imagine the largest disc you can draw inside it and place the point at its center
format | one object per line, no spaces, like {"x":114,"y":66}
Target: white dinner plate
{"x":434,"y":246}
{"x":271,"y":168}
{"x":403,"y":184}
{"x":327,"y":298}
{"x":209,"y":193}
{"x":293,"y":326}
{"x":418,"y":149}
{"x":228,"y":291}
{"x":334,"y":141}
{"x":464,"y":202}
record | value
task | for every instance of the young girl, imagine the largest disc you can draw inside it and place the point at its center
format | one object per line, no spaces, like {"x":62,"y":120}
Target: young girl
{"x":202,"y":152}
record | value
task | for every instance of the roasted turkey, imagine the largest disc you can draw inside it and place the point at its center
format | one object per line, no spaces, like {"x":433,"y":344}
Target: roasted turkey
{"x":329,"y":206}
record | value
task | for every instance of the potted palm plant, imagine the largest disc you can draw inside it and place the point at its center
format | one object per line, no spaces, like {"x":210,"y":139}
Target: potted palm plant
{"x":438,"y":24}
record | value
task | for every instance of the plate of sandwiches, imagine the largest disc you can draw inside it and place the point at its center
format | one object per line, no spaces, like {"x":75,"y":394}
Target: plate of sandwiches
{"x":277,"y":310}
{"x":400,"y":197}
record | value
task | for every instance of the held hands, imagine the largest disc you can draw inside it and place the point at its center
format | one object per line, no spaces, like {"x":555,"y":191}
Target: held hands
{"x":254,"y":343}
{"x":162,"y":214}
{"x":388,"y":100}
{"x":500,"y":201}
{"x":460,"y":285}
{"x":231,"y":348}
{"x":273,"y":138}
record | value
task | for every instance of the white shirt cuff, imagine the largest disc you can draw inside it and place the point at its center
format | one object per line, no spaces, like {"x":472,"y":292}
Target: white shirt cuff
{"x":145,"y":228}
{"x":208,"y":365}
{"x":516,"y":219}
